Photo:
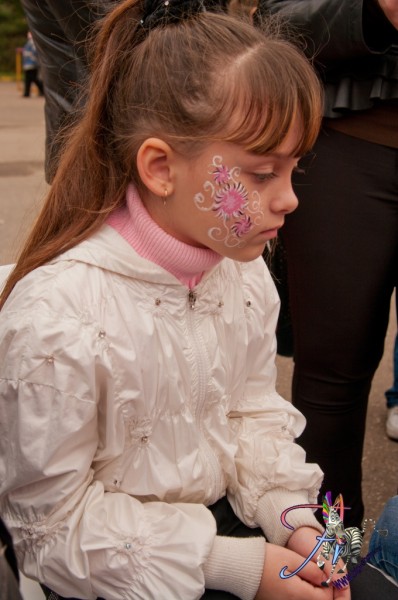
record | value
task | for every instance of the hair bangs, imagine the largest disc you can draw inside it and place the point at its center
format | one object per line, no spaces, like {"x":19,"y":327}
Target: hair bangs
{"x":272,"y":90}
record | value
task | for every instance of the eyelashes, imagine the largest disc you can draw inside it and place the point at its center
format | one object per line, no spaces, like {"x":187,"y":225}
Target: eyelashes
{"x":261,"y":177}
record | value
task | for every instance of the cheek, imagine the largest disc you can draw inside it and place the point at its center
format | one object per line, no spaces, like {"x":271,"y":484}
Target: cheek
{"x":233,"y":210}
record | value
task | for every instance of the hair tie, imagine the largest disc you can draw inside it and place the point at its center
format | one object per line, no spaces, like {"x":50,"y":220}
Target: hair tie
{"x":166,"y":12}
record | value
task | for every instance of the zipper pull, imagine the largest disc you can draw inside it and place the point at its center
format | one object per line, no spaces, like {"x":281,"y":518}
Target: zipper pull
{"x":191,"y":299}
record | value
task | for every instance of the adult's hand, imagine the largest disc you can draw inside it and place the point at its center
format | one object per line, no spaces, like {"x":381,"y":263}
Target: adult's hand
{"x":390,"y":9}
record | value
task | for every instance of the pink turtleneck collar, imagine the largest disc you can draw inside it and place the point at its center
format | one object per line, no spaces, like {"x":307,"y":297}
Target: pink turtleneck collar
{"x":187,"y":263}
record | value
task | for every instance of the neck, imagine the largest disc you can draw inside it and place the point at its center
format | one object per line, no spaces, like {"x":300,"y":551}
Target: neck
{"x":187,"y":263}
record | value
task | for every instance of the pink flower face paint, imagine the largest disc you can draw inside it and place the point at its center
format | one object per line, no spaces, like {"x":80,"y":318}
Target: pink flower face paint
{"x":237,"y":210}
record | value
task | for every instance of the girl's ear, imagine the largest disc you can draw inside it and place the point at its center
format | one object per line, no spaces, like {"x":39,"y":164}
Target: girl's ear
{"x":155,"y":166}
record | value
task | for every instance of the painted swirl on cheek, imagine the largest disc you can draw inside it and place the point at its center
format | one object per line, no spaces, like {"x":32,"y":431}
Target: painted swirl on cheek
{"x":237,"y":211}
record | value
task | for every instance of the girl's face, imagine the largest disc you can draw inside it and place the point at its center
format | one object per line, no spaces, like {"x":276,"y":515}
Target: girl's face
{"x":230,"y":200}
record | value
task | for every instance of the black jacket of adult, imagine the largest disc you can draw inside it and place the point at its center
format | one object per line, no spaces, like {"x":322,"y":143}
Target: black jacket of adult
{"x":354,"y":46}
{"x":60,"y":29}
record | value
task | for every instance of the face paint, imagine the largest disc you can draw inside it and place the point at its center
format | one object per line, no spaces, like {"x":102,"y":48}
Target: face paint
{"x":237,"y":210}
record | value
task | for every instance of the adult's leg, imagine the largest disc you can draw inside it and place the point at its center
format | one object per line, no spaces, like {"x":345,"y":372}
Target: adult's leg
{"x":39,"y":83}
{"x":383,"y":546}
{"x":341,"y":246}
{"x":33,"y":73}
{"x":370,"y":584}
{"x":392,"y":393}
{"x":28,"y":82}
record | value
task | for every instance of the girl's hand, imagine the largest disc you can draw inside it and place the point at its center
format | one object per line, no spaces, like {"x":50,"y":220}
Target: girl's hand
{"x":303,"y":541}
{"x":390,"y":9}
{"x":306,"y":585}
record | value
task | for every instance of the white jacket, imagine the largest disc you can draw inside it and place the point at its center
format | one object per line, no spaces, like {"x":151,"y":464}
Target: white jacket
{"x":127,"y":405}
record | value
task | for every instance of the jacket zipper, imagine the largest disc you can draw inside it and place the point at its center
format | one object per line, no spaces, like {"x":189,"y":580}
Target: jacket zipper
{"x":203,"y":373}
{"x":191,"y":299}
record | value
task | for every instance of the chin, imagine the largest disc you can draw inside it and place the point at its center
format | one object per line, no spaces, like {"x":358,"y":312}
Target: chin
{"x":248,"y":253}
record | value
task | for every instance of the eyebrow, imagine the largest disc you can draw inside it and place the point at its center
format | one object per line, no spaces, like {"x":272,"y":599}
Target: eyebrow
{"x":282,"y":155}
{"x":277,"y":155}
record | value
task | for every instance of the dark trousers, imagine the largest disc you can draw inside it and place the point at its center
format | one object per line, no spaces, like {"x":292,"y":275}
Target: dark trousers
{"x":342,"y":253}
{"x":32,"y":76}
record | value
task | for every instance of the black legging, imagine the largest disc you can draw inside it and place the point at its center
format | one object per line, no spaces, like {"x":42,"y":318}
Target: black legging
{"x":341,"y":246}
{"x":32,"y":76}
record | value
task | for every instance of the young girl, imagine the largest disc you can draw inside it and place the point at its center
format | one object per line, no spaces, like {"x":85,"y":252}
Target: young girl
{"x":137,"y":375}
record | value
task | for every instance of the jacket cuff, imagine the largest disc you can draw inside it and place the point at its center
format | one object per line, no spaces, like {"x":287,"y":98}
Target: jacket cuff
{"x":378,"y":33}
{"x":270,"y":508}
{"x":235,"y":565}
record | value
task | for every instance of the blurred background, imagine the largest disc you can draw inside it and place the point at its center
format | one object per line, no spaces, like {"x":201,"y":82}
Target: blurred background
{"x":13,"y":32}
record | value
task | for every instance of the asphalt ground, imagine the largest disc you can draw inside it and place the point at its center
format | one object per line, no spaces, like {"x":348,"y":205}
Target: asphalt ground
{"x":22,"y":188}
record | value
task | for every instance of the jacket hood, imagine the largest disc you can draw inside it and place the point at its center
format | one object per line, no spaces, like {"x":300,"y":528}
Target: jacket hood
{"x":108,"y":250}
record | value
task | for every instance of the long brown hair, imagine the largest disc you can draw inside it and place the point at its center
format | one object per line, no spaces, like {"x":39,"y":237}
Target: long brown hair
{"x":204,"y":78}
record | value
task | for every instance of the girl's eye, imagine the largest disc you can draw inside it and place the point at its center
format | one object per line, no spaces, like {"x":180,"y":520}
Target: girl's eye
{"x":264,"y":176}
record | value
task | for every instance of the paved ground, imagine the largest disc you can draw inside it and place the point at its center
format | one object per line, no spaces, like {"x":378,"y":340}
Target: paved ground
{"x":21,"y":166}
{"x":22,"y":188}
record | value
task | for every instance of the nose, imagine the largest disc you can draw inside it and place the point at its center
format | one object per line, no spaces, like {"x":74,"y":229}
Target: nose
{"x":285,"y":200}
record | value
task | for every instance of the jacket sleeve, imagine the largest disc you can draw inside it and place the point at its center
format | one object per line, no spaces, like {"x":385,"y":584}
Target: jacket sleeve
{"x":69,"y":532}
{"x":271,"y":468}
{"x":334,"y":30}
